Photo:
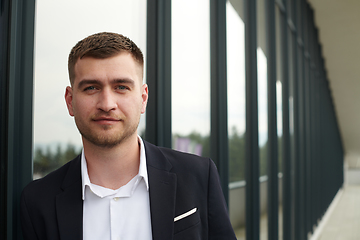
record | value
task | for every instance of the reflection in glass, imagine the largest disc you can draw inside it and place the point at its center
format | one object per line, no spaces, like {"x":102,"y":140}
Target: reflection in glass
{"x":280,"y":159}
{"x":279,"y":120}
{"x":280,"y":77}
{"x":263,"y":137}
{"x":59,"y":26}
{"x":191,"y":76}
{"x":262,"y":108}
{"x":262,"y":113}
{"x":236,"y":93}
{"x":236,"y":113}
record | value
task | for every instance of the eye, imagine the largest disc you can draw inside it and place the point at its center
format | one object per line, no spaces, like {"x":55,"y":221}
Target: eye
{"x":89,"y":88}
{"x":122,"y":87}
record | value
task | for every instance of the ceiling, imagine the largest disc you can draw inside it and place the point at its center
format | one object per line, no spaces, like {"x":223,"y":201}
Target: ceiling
{"x":339,"y":33}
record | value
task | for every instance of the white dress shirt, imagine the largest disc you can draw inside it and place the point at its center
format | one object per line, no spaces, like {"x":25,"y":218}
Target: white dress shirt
{"x":117,"y":214}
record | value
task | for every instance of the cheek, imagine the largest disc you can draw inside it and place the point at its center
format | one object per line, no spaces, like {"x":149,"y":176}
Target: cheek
{"x":81,"y":107}
{"x":130,"y":106}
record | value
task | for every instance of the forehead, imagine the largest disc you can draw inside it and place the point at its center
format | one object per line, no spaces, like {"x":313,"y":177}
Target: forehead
{"x":122,"y":65}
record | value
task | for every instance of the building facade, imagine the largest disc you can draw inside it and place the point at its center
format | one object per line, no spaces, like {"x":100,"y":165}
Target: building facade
{"x":240,"y":81}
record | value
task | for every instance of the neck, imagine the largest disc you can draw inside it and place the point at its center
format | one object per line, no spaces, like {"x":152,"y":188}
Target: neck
{"x":113,"y":167}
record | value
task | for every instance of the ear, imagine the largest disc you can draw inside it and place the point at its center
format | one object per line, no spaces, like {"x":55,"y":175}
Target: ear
{"x":68,"y":100}
{"x":144,"y":95}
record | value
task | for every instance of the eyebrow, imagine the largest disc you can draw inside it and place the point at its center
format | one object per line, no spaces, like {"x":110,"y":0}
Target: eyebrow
{"x":124,"y":80}
{"x":121,"y":80}
{"x":87,"y":82}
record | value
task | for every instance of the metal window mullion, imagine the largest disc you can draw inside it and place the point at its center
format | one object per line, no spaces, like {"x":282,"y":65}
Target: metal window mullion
{"x":322,"y":137}
{"x":306,"y":116}
{"x":309,"y":92}
{"x":316,"y":207}
{"x":316,"y":128}
{"x":317,"y":157}
{"x":219,"y":125}
{"x":300,"y":178}
{"x":295,"y":169}
{"x":272,"y":144}
{"x":303,"y":100}
{"x":158,"y":73}
{"x":286,"y":156}
{"x":20,"y":99}
{"x":4,"y":99}
{"x":252,"y":131}
{"x":302,"y":148}
{"x":314,"y":199}
{"x":298,"y":169}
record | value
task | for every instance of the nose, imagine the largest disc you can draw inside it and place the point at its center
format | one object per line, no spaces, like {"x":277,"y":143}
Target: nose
{"x":106,"y":101}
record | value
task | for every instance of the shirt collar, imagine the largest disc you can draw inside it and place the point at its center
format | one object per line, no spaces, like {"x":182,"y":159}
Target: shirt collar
{"x":142,"y":168}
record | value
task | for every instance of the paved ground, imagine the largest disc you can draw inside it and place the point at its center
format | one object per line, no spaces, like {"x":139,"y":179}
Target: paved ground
{"x":344,"y":221}
{"x":240,"y":233}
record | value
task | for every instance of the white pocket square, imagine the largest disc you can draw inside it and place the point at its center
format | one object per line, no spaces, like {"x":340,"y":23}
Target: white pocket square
{"x":192,"y":211}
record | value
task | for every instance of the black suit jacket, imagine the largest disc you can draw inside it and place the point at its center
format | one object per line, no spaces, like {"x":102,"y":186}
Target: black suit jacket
{"x":52,"y":207}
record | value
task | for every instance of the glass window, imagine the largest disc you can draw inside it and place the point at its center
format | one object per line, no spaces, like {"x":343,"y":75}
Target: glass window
{"x":292,"y":93}
{"x":236,"y":113}
{"x":191,"y":76}
{"x":280,"y":78}
{"x":59,"y":26}
{"x":236,"y":93}
{"x":262,"y":113}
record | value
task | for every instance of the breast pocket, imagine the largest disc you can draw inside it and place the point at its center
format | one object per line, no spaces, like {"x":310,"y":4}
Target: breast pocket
{"x":186,"y":221}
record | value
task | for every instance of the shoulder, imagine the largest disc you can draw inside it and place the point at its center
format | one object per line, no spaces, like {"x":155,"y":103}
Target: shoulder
{"x":183,"y":163}
{"x":52,"y":183}
{"x":176,"y":158}
{"x":183,"y":157}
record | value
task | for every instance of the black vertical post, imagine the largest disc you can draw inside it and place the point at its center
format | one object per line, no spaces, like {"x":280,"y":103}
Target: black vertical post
{"x":313,"y":130}
{"x":19,"y":110}
{"x":252,"y":131}
{"x":219,"y":131}
{"x":293,"y":88}
{"x":298,"y":113}
{"x":300,"y":178}
{"x":302,"y":151}
{"x":286,"y":146}
{"x":272,"y":144}
{"x":313,"y":160}
{"x":158,"y":72}
{"x":307,"y":92}
{"x":4,"y":97}
{"x":322,"y":133}
{"x":319,"y":154}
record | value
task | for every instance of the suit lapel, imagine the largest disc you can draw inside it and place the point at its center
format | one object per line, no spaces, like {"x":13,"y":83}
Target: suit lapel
{"x":69,"y":204}
{"x":162,"y":191}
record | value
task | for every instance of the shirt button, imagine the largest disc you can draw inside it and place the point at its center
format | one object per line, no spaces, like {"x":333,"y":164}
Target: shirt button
{"x":116,"y":198}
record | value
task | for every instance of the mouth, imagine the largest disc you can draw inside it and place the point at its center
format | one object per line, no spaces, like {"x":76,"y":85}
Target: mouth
{"x":106,"y":120}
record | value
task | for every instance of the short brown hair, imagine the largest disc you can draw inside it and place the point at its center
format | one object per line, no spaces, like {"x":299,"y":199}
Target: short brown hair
{"x":102,"y":45}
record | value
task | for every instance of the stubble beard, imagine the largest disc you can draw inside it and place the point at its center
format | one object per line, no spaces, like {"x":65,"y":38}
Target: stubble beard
{"x":104,"y":139}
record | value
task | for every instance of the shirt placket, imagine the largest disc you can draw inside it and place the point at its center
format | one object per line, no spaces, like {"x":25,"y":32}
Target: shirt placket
{"x":115,"y":218}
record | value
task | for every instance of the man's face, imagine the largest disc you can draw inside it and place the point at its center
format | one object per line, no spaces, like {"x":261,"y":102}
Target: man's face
{"x":107,"y":99}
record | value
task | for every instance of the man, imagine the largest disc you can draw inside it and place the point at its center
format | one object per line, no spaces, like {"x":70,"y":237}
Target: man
{"x":121,"y":187}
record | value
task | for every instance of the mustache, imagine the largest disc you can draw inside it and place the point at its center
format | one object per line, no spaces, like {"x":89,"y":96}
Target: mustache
{"x":106,"y":116}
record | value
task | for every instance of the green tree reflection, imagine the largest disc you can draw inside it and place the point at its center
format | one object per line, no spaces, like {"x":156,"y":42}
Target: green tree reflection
{"x":47,"y":161}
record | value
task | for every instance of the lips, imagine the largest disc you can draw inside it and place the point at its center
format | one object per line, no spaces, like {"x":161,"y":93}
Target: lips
{"x":106,"y":119}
